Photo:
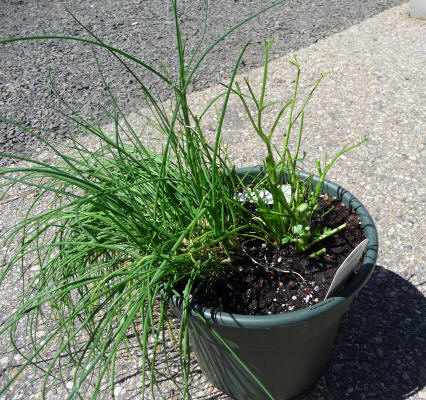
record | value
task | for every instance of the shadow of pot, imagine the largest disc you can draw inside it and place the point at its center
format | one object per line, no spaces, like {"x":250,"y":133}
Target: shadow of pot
{"x":380,"y":350}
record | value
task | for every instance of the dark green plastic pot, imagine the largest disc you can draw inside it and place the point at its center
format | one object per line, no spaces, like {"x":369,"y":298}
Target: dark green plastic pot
{"x":286,"y":352}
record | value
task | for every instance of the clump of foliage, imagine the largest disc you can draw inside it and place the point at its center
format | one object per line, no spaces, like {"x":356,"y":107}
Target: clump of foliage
{"x":125,"y":225}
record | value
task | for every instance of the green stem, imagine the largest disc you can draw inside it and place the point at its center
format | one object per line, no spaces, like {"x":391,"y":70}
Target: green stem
{"x":326,"y":235}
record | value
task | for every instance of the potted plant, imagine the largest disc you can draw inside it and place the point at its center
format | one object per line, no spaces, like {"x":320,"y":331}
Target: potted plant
{"x":133,"y":232}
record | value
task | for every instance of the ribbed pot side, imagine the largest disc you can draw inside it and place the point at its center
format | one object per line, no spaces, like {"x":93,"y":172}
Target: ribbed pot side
{"x":286,"y":352}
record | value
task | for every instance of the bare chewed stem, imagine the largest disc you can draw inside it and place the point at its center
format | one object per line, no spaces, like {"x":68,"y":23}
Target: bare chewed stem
{"x":288,"y":219}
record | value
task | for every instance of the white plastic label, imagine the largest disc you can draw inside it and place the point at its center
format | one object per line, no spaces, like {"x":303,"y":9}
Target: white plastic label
{"x":264,"y":195}
{"x":343,"y":272}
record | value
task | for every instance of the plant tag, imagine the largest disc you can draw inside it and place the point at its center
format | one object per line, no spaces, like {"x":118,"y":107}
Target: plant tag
{"x":343,"y":272}
{"x":265,"y":195}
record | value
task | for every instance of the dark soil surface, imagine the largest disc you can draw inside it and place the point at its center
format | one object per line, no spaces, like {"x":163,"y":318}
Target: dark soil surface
{"x":274,"y":281}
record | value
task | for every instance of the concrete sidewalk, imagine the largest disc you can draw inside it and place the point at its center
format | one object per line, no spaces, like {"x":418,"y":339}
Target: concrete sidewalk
{"x":376,"y":89}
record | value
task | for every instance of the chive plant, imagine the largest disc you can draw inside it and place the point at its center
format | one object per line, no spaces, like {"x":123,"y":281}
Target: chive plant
{"x":126,"y":225}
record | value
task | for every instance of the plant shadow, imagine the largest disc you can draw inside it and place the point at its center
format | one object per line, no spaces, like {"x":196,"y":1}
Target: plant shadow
{"x":380,"y":350}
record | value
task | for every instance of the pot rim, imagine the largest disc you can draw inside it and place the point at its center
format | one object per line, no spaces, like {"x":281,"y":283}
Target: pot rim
{"x":352,"y":287}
